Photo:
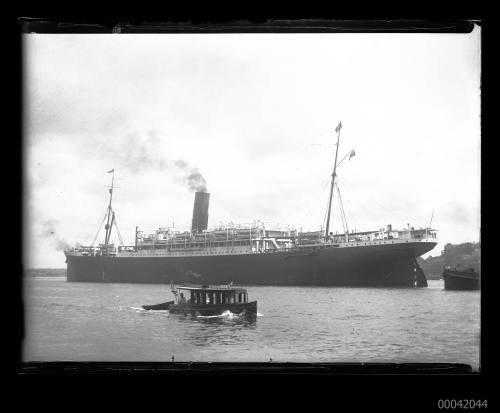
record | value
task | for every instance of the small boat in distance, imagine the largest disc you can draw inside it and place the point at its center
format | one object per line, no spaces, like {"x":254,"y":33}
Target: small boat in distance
{"x":206,"y":300}
{"x":457,"y":278}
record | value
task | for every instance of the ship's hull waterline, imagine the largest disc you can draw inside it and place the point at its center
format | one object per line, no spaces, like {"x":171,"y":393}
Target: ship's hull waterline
{"x":385,"y":265}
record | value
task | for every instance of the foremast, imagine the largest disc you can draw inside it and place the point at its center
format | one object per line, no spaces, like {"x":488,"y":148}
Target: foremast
{"x":110,"y":219}
{"x":110,"y":213}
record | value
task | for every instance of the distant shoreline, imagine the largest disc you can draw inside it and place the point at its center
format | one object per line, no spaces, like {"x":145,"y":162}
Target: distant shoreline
{"x":467,"y":254}
{"x":45,"y":272}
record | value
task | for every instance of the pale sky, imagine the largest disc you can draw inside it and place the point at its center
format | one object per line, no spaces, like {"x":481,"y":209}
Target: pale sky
{"x":255,"y":114}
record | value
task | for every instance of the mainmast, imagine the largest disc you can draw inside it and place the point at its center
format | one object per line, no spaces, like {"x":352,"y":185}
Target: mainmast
{"x":110,"y":216}
{"x":337,"y":129}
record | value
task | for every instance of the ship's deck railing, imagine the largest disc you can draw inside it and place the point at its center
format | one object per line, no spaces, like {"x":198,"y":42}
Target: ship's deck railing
{"x":255,"y":243}
{"x":100,"y":250}
{"x":307,"y":247}
{"x":229,"y":231}
{"x":209,"y":287}
{"x":250,"y":232}
{"x":301,"y":238}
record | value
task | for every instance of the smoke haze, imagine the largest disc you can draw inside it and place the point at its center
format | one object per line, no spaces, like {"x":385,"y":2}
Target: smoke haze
{"x":49,"y":231}
{"x":138,"y":154}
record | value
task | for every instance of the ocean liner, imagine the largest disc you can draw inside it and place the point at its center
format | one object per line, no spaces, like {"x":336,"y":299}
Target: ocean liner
{"x":255,"y":254}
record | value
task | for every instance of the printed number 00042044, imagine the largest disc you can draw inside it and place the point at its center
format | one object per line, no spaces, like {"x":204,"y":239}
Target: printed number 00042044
{"x":468,"y":404}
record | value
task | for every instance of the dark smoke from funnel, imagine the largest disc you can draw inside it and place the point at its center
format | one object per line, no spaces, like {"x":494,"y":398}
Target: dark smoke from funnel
{"x":194,"y":179}
{"x":196,"y":182}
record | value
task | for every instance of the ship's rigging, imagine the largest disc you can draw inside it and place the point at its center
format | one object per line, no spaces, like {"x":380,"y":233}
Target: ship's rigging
{"x":109,"y":217}
{"x":334,"y":185}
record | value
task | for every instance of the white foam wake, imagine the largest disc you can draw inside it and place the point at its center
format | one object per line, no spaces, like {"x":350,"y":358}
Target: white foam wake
{"x":226,"y":314}
{"x":142,"y":310}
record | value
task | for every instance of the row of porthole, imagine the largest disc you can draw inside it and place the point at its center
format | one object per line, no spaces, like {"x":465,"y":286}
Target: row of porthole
{"x":228,"y":252}
{"x":375,"y":243}
{"x":160,"y":255}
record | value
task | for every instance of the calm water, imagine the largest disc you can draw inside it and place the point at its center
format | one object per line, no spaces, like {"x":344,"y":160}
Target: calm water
{"x":104,"y":322}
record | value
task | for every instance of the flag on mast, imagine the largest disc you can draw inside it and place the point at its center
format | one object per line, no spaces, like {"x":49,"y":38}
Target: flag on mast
{"x":339,"y":126}
{"x":112,"y":170}
{"x":352,"y":154}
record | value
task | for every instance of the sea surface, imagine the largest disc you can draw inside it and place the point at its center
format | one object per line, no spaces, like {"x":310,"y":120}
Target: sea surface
{"x":105,"y":322}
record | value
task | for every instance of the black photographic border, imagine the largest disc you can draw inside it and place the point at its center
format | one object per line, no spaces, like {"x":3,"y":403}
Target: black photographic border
{"x":367,"y":384}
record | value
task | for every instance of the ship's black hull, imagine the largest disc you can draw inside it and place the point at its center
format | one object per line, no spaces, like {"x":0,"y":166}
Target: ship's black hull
{"x":387,"y":265}
{"x":460,"y":280}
